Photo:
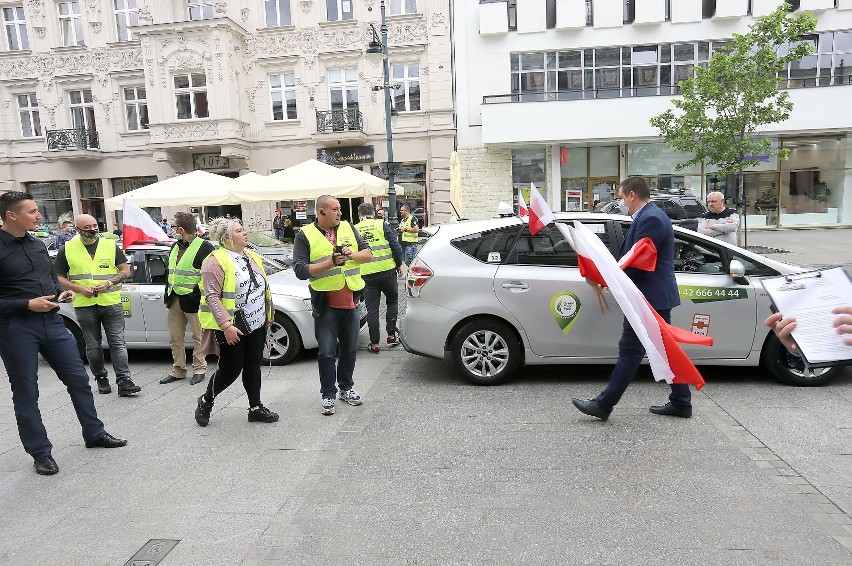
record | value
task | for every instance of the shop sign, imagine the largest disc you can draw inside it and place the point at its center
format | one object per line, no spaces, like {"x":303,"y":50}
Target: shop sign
{"x":355,"y":155}
{"x":210,"y":161}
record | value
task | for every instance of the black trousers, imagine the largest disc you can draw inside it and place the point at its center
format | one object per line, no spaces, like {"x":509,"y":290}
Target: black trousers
{"x":22,"y":338}
{"x":245,"y":356}
{"x":375,"y":285}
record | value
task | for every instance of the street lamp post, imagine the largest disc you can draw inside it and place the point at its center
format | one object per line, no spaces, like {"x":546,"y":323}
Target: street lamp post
{"x":378,"y":49}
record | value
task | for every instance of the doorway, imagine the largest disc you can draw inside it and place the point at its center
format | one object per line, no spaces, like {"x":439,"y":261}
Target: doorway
{"x":601,"y":191}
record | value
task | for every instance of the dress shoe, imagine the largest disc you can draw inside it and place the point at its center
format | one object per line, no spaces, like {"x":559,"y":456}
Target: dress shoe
{"x":103,"y":385}
{"x":106,"y":441}
{"x":197,"y":378}
{"x":127,"y":387}
{"x":169,"y":379}
{"x":45,"y":466}
{"x":672,"y":410}
{"x":591,"y":408}
{"x":202,"y":412}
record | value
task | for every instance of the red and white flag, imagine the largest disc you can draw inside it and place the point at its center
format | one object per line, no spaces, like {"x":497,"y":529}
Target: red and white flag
{"x":668,"y":361}
{"x":139,"y":227}
{"x":523,"y":211}
{"x":199,"y":227}
{"x":540,"y":213}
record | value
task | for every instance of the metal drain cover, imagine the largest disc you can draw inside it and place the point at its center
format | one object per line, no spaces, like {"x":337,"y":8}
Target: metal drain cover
{"x":152,"y":552}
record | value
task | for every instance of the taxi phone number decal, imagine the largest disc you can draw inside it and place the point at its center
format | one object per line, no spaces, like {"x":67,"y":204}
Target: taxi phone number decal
{"x":699,"y":294}
{"x":125,"y":305}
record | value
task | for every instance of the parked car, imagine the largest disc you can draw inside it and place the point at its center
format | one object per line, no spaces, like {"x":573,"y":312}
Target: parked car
{"x":145,"y":314}
{"x":683,"y":210}
{"x":269,"y":247}
{"x":489,"y":297}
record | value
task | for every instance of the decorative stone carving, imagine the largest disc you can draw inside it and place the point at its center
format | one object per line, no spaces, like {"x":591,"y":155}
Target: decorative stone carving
{"x":244,"y":14}
{"x":36,"y":9}
{"x":107,"y":106}
{"x":407,"y":33}
{"x":306,"y":5}
{"x":92,"y":6}
{"x":252,"y":93}
{"x":438,"y":23}
{"x":369,"y":4}
{"x":96,"y":27}
{"x":143,"y":14}
{"x":45,"y":66}
{"x":308,"y":62}
{"x":51,"y":110}
{"x":40,"y":32}
{"x":216,"y":129}
{"x":221,"y":9}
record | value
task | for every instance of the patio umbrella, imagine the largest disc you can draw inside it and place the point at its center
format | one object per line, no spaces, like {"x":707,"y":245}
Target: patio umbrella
{"x":308,"y":180}
{"x":198,"y":188}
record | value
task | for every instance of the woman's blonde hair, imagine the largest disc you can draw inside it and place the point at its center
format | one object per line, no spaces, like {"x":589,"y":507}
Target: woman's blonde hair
{"x":221,"y":227}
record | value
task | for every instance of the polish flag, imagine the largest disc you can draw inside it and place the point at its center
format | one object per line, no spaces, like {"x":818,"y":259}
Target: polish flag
{"x":643,"y":255}
{"x":199,"y":227}
{"x":139,"y":227}
{"x":523,"y":211}
{"x":668,"y":361}
{"x":540,"y":213}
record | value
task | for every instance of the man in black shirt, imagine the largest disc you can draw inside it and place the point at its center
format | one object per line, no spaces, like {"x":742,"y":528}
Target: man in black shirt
{"x":29,"y":325}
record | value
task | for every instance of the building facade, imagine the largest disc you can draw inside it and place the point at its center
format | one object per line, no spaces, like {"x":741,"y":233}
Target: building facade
{"x":561,"y":92}
{"x":99,"y":97}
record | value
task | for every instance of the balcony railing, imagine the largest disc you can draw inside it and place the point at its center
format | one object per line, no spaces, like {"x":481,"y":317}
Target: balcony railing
{"x":347,"y":120}
{"x":77,"y":138}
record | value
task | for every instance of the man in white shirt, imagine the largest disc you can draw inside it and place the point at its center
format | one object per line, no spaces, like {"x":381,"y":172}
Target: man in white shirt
{"x":719,"y":222}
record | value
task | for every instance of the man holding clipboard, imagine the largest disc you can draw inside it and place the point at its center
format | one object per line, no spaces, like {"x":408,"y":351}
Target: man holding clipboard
{"x":804,"y":321}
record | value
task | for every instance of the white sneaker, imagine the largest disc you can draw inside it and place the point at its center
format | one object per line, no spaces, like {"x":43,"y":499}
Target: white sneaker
{"x":351,"y":397}
{"x":328,"y":406}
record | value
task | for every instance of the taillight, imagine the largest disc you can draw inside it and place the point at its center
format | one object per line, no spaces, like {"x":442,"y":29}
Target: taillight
{"x":418,"y":274}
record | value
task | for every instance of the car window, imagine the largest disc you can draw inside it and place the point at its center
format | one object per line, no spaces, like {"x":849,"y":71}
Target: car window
{"x":670,"y":208}
{"x":549,"y":246}
{"x":157,"y":267}
{"x":696,"y":257}
{"x":489,"y":245}
{"x":694,"y":208}
{"x":137,"y":274}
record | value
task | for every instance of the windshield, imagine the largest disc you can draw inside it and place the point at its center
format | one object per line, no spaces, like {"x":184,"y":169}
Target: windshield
{"x":271,"y":266}
{"x":265,"y":240}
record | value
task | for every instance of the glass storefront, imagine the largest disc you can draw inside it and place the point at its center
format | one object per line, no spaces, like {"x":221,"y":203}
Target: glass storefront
{"x":92,"y":201}
{"x":528,"y":166}
{"x":589,"y":176}
{"x":410,"y":183}
{"x":54,"y":202}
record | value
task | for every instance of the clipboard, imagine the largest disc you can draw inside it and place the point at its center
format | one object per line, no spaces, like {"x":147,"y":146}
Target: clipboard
{"x":810,"y":296}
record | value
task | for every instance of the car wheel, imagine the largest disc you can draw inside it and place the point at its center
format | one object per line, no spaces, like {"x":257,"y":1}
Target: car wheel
{"x":790,"y":369}
{"x":285,"y":342}
{"x":486,"y":352}
{"x":78,"y":337}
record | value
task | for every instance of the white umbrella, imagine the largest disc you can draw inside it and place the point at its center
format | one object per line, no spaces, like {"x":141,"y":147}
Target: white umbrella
{"x":250,"y":180}
{"x":198,"y":188}
{"x":308,"y":180}
{"x":373,"y":186}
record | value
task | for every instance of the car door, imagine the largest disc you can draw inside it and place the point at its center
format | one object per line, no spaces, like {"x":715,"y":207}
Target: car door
{"x":131,"y":302}
{"x":711,"y":302}
{"x":152,"y":291}
{"x":540,"y":284}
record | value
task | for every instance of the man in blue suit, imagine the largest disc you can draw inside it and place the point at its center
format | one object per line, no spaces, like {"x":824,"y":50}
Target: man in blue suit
{"x":659,"y":287}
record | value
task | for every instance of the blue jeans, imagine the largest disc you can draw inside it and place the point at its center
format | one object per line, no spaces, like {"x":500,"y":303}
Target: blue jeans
{"x":630,"y":354}
{"x":22,"y":338}
{"x":112,"y":319}
{"x":279,"y":233}
{"x":333,"y":327}
{"x":408,"y":253}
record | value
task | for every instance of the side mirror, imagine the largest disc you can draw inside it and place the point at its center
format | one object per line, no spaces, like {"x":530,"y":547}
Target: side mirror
{"x":737,"y":271}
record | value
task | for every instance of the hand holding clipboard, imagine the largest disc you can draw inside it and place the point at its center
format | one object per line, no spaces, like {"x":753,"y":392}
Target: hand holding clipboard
{"x":783,"y":326}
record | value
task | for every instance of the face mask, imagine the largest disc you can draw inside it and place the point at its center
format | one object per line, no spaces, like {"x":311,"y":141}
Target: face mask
{"x":89,"y":233}
{"x":71,"y":230}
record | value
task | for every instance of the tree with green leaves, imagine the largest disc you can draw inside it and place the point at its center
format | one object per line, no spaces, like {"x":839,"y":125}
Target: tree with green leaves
{"x":725,"y":104}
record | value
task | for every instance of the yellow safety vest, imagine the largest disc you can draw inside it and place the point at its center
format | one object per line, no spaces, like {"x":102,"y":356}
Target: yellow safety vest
{"x":408,"y":237}
{"x":87,"y":271}
{"x":373,"y":232}
{"x":228,"y":297}
{"x":334,"y":279}
{"x":183,"y":277}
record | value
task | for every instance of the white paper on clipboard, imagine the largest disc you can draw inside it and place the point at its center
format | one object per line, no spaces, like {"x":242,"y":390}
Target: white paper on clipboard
{"x":810,"y":297}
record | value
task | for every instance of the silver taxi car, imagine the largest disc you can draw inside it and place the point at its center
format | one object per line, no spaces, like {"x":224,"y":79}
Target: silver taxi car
{"x":145,"y":314}
{"x":489,"y":297}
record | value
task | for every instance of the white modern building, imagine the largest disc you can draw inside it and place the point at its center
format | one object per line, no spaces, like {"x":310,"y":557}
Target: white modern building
{"x":560,"y":93}
{"x":98,"y":97}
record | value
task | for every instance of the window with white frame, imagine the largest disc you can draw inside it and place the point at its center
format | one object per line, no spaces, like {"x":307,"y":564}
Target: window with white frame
{"x":126,"y":14}
{"x":282,"y":96}
{"x":191,"y":96}
{"x":406,"y":86}
{"x":340,"y":10}
{"x":28,"y":111}
{"x":16,"y":28}
{"x":82,"y":110}
{"x":136,"y":108}
{"x":277,"y":13}
{"x":343,"y":88}
{"x":398,"y":7}
{"x":201,"y":9}
{"x":71,"y":24}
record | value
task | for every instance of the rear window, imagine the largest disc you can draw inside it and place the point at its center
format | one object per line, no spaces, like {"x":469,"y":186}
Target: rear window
{"x":481,"y":245}
{"x":694,"y":208}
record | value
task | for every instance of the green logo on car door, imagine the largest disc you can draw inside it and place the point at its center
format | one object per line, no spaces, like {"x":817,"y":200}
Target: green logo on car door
{"x":565,"y":307}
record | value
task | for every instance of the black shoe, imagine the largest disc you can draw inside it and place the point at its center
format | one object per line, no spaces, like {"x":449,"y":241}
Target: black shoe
{"x":103,"y":385}
{"x":202,"y":412}
{"x":393,"y":339}
{"x":262,"y":415}
{"x":45,"y":466}
{"x":127,"y":387}
{"x":168,"y":379}
{"x":591,"y":408}
{"x":197,"y":378}
{"x":106,"y":441}
{"x":672,"y":410}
